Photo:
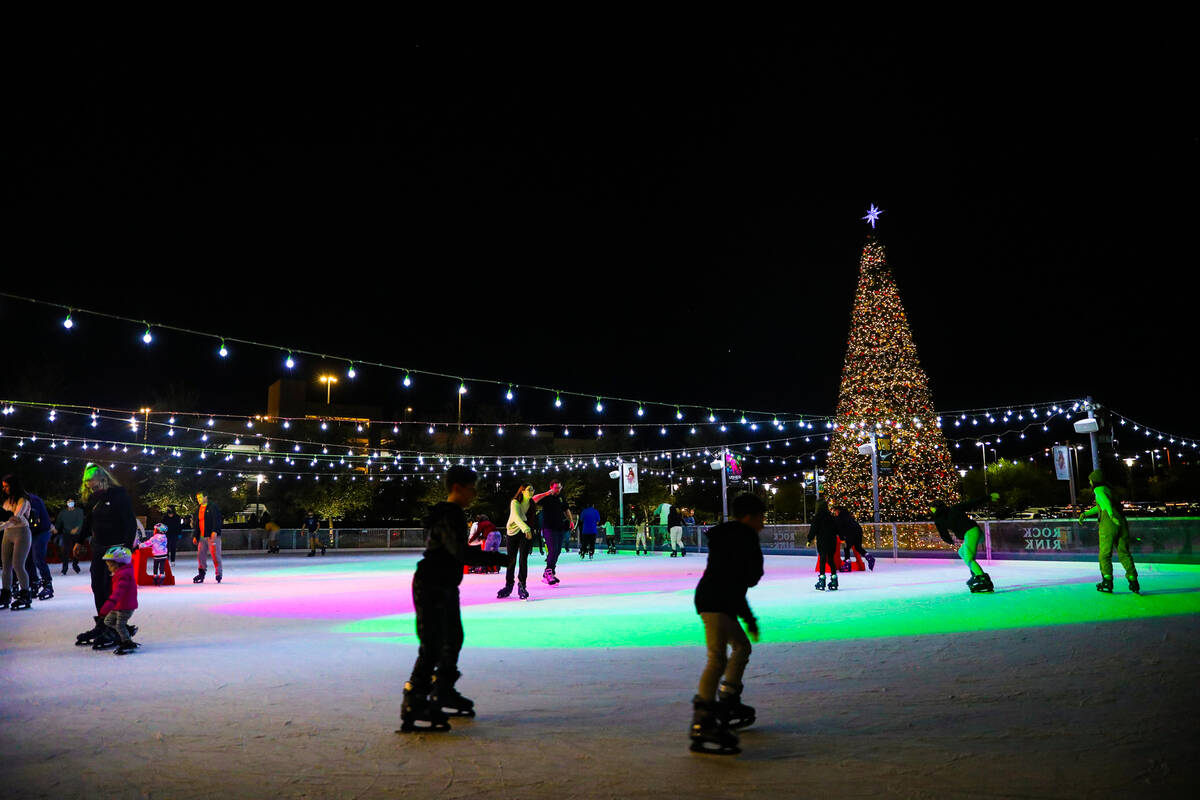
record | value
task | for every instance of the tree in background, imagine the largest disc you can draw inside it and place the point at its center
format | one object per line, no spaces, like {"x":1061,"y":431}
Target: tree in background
{"x":885,"y":390}
{"x":334,"y":500}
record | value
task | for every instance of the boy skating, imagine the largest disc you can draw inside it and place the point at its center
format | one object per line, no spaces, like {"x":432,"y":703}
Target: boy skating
{"x":430,"y":689}
{"x":735,"y":563}
{"x":953,"y":520}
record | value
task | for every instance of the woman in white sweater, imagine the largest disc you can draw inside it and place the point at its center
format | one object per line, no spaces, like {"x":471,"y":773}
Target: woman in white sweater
{"x":520,"y":537}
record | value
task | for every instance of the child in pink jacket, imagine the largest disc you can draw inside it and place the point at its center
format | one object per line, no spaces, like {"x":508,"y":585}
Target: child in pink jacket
{"x":158,"y":547}
{"x":121,"y":603}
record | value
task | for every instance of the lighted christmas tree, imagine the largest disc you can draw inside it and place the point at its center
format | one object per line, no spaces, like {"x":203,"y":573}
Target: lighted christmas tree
{"x":885,"y":390}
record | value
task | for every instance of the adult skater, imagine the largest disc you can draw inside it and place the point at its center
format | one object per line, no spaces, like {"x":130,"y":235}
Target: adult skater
{"x":174,"y":525}
{"x":824,"y":530}
{"x":851,"y":533}
{"x":16,"y":543}
{"x":208,"y":537}
{"x":41,"y":583}
{"x":953,"y":521}
{"x":642,"y":526}
{"x":520,"y":536}
{"x":675,"y":526}
{"x":108,"y":521}
{"x":1114,"y":530}
{"x":430,"y":688}
{"x":735,"y":563}
{"x":589,"y":523}
{"x":68,"y":524}
{"x":556,"y":523}
{"x":313,"y":526}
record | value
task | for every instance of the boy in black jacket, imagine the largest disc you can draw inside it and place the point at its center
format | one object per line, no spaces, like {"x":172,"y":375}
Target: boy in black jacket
{"x":735,"y":563}
{"x":430,"y":689}
{"x":953,"y":520}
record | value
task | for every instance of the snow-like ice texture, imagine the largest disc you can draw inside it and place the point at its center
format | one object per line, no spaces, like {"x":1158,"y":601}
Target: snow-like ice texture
{"x":285,"y":680}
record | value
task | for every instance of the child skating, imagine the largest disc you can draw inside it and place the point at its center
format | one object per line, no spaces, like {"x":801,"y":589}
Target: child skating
{"x":735,"y":563}
{"x":824,"y":530}
{"x":953,"y":521}
{"x":122,"y":602}
{"x":158,"y":548}
{"x":1114,"y":530}
{"x":430,"y":688}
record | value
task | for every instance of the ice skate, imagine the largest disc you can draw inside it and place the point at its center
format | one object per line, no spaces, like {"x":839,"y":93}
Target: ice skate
{"x":75,"y":566}
{"x":984,"y":584}
{"x":21,"y":600}
{"x":734,"y":712}
{"x":47,"y":591}
{"x":89,"y":637}
{"x":5,"y":598}
{"x":708,"y":735}
{"x":1105,"y":585}
{"x":448,"y":700}
{"x":870,"y":562}
{"x":833,"y":582}
{"x":126,"y":647}
{"x":521,"y":593}
{"x":505,"y":592}
{"x":106,"y":640}
{"x":820,"y":586}
{"x":199,"y":577}
{"x":66,"y":566}
{"x":416,"y":708}
{"x":973,"y":583}
{"x":554,"y":581}
{"x":1134,"y":586}
{"x":218,"y":577}
{"x":311,"y":553}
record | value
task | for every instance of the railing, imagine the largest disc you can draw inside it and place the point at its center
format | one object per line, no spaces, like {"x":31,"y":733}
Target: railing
{"x":1165,"y":540}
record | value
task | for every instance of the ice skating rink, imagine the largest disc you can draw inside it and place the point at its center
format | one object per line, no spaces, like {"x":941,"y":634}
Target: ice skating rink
{"x":285,"y":680}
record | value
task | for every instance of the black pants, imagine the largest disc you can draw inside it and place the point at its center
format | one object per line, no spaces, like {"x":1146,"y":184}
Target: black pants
{"x":554,"y":540}
{"x":439,"y":630}
{"x":587,"y":544}
{"x":172,"y":544}
{"x":101,"y":579}
{"x":826,"y":550}
{"x":856,"y":547}
{"x":518,"y":550}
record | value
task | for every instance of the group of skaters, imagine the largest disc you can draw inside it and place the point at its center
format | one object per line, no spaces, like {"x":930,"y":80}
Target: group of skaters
{"x":735,"y":564}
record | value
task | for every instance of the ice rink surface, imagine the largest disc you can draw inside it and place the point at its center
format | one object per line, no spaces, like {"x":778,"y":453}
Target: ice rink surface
{"x":284,"y":681}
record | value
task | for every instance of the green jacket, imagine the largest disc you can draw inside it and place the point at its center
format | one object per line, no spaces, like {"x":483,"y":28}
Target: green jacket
{"x":1112,"y":519}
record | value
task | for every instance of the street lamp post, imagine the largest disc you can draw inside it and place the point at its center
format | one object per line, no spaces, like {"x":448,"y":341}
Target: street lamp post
{"x":983,"y":446}
{"x":329,"y":381}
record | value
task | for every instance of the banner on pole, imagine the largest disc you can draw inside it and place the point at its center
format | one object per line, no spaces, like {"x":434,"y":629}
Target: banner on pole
{"x":1062,"y":462}
{"x":884,"y":445}
{"x":629,"y":476}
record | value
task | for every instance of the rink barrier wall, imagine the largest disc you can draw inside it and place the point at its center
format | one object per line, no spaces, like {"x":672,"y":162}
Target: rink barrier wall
{"x":1152,"y":540}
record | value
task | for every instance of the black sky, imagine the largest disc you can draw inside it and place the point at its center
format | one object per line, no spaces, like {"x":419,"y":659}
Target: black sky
{"x":675,"y":218}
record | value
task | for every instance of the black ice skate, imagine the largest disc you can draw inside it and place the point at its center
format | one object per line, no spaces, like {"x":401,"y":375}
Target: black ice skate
{"x":448,"y":700}
{"x":106,"y":640}
{"x":708,"y":735}
{"x":820,"y":587}
{"x":218,"y":577}
{"x":21,"y":600}
{"x":983,"y":583}
{"x":505,"y":592}
{"x":521,"y":593}
{"x":126,"y":647}
{"x":418,"y":715}
{"x":5,"y":597}
{"x":89,"y":637}
{"x":199,"y":577}
{"x":47,"y":591}
{"x":1134,"y":586}
{"x":1105,"y":585}
{"x":734,"y":712}
{"x":870,"y":562}
{"x":833,"y":582}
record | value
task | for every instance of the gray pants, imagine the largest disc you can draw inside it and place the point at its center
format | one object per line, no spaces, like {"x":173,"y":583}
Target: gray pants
{"x":721,"y":631}
{"x":15,"y":550}
{"x":676,"y":538}
{"x":116,"y":620}
{"x":203,"y":546}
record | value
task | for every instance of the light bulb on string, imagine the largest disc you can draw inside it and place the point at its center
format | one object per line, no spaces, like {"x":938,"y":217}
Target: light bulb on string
{"x":557,"y":400}
{"x":599,"y":405}
{"x":462,"y":386}
{"x":509,"y":394}
{"x":146,"y":337}
{"x":678,"y":413}
{"x":223,"y":351}
{"x":289,"y":363}
{"x":67,"y":323}
{"x":641,"y":411}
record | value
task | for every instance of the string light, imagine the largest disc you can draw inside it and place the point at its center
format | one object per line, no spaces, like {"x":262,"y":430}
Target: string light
{"x":67,"y":323}
{"x":223,"y":351}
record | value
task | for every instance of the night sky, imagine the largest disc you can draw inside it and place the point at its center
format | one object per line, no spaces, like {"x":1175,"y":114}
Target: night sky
{"x":674,"y":219}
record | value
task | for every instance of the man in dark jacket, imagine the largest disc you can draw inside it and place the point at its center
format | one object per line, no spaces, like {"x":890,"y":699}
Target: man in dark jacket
{"x":207,"y":537}
{"x":953,"y":520}
{"x":735,"y":563}
{"x":174,"y":525}
{"x":40,"y":583}
{"x":824,"y":530}
{"x":68,"y":524}
{"x":430,"y":688}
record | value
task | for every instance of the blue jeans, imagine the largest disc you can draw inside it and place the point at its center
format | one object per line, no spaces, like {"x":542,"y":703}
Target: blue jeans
{"x":36,"y":562}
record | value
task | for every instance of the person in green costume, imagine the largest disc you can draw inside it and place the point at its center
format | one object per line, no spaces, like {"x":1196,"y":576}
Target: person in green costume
{"x":953,"y":521}
{"x":1114,"y":530}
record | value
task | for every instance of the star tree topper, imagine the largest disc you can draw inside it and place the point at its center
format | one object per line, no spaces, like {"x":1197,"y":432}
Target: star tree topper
{"x":872,"y":215}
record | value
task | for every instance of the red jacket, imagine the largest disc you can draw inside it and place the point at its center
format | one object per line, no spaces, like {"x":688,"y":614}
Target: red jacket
{"x":124,"y":591}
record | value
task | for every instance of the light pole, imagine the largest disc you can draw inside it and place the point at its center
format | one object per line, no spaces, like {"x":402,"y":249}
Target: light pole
{"x":984,"y":448}
{"x":1129,"y":462}
{"x":870,"y":450}
{"x":329,"y":381}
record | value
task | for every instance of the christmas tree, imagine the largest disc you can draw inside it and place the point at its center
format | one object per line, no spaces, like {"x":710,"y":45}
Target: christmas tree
{"x":884,"y":390}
